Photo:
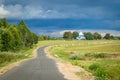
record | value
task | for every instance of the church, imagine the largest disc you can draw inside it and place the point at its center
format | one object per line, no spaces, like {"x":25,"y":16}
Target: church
{"x":81,"y":36}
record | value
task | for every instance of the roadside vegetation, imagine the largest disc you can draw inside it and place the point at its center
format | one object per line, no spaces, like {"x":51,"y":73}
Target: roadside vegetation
{"x":16,"y":42}
{"x":100,"y":57}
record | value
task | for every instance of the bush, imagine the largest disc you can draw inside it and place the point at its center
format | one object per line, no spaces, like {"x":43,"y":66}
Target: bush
{"x":9,"y":57}
{"x":114,"y":72}
{"x":94,"y":66}
{"x":100,"y":55}
{"x":77,"y":56}
{"x":96,"y":55}
{"x":101,"y":74}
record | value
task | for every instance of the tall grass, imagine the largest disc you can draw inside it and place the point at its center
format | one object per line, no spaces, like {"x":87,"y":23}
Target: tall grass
{"x":8,"y":57}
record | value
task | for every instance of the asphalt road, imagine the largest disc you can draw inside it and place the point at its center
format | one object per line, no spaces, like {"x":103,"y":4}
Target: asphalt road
{"x":40,"y":68}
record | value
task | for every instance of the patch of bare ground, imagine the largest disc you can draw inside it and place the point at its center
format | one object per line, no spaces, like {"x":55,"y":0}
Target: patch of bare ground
{"x":69,"y":71}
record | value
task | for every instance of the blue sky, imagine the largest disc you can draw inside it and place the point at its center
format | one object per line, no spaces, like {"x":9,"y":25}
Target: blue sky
{"x":54,"y":16}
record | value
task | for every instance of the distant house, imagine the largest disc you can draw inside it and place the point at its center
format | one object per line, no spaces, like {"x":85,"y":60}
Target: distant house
{"x":81,"y":36}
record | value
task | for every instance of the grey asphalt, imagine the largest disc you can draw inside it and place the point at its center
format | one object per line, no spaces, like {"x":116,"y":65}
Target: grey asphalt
{"x":40,"y":68}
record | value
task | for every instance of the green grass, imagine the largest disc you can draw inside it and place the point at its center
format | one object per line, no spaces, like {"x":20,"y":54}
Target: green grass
{"x":100,"y":57}
{"x":7,"y":57}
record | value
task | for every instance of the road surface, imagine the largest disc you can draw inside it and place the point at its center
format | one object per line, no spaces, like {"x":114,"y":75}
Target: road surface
{"x":40,"y":68}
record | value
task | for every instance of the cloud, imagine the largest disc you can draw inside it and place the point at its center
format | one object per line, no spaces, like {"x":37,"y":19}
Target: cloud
{"x":83,"y":9}
{"x":3,"y":11}
{"x":27,"y":12}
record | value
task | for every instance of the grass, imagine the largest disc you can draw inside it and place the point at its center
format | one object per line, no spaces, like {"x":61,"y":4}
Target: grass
{"x":7,"y":57}
{"x":100,"y":57}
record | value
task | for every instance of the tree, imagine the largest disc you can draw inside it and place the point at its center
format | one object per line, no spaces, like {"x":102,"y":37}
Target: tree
{"x":88,"y":35}
{"x":67,"y":35}
{"x":25,"y":34}
{"x":35,"y":38}
{"x":6,"y":40}
{"x":4,"y":23}
{"x":16,"y":39}
{"x":96,"y":36}
{"x":13,"y":38}
{"x":75,"y":34}
{"x":107,"y":36}
{"x":112,"y":37}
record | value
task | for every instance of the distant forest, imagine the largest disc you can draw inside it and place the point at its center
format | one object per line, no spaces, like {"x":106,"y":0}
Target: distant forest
{"x":16,"y":37}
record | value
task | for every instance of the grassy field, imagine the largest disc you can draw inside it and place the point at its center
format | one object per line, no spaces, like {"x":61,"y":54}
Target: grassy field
{"x":101,"y":57}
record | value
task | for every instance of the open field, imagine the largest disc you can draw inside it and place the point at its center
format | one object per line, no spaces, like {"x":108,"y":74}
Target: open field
{"x":102,"y":58}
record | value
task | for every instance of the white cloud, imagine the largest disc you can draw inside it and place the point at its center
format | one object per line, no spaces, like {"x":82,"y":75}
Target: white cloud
{"x":3,"y":11}
{"x":29,"y":11}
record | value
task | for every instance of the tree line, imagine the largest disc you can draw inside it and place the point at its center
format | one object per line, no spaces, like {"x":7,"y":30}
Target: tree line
{"x":88,"y":35}
{"x":16,"y":37}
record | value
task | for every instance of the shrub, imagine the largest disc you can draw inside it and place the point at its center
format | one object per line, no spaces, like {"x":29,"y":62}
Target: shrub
{"x":96,"y":55}
{"x":100,"y":55}
{"x":101,"y":74}
{"x":77,"y":56}
{"x":114,"y":72}
{"x":94,"y":66}
{"x":9,"y":57}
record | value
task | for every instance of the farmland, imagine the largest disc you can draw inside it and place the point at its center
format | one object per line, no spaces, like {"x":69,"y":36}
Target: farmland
{"x":100,"y":57}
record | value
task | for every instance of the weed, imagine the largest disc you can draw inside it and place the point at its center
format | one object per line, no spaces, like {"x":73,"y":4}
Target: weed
{"x":96,"y":55}
{"x":94,"y":66}
{"x":77,"y":56}
{"x":101,"y":74}
{"x":9,"y":57}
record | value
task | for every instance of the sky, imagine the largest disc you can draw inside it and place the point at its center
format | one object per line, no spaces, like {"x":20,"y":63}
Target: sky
{"x":53,"y":17}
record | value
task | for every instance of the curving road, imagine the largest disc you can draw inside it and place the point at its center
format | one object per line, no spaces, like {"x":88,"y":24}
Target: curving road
{"x":40,"y":68}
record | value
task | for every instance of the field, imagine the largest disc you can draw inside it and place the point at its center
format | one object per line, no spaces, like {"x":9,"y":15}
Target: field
{"x":100,"y":57}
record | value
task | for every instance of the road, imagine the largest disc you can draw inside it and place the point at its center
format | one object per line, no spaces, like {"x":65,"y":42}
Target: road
{"x":40,"y":68}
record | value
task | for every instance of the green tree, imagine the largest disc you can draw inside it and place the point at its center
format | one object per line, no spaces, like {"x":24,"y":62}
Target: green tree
{"x":75,"y":34}
{"x":112,"y":37}
{"x":88,"y":35}
{"x":107,"y":36}
{"x":4,"y":23}
{"x":6,"y":40}
{"x":16,"y":39}
{"x":96,"y":35}
{"x":35,"y":38}
{"x":25,"y":34}
{"x":67,"y":35}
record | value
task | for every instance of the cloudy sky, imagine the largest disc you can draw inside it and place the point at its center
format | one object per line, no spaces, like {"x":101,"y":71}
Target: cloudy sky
{"x":54,"y":16}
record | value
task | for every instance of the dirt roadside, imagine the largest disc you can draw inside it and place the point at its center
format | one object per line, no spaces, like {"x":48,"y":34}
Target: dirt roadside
{"x":68,"y":70}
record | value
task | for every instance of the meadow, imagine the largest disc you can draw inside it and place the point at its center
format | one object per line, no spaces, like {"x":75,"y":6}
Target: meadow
{"x":100,"y":57}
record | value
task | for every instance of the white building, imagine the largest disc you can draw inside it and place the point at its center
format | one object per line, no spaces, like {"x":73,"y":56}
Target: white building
{"x":81,"y":36}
